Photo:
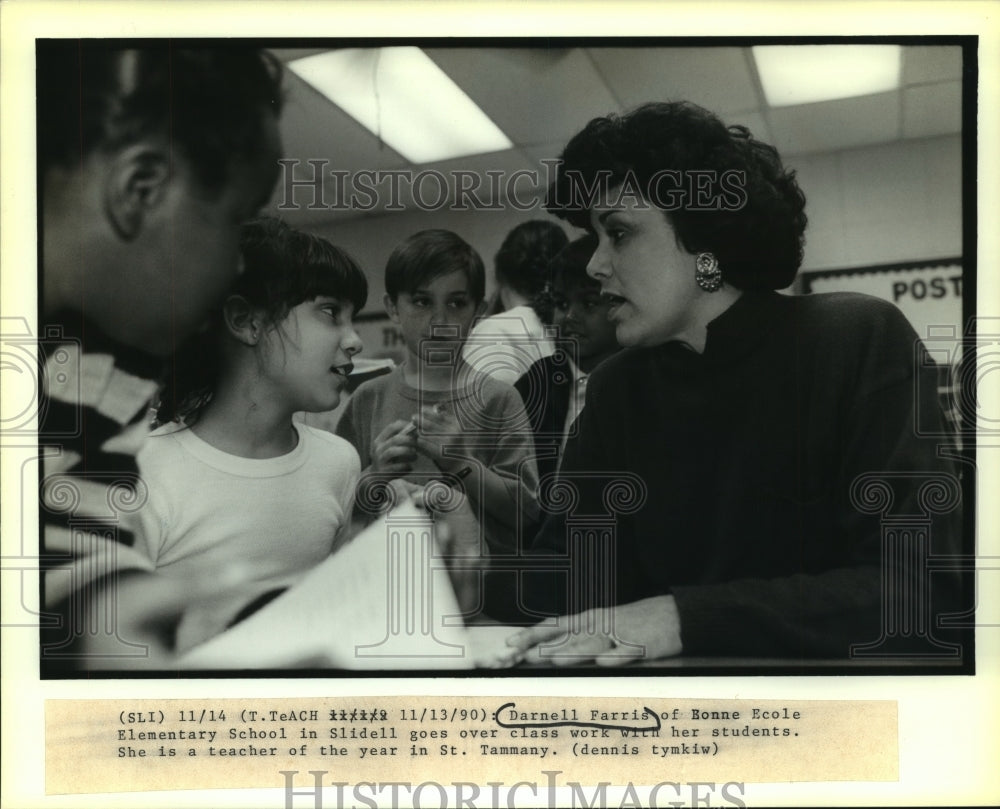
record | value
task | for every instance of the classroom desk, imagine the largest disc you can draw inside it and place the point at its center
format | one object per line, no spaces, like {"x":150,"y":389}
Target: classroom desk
{"x":762,"y":666}
{"x":377,"y":606}
{"x":491,"y":635}
{"x":247,"y":648}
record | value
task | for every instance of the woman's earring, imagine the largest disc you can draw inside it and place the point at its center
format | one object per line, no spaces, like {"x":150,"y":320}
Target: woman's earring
{"x":707,"y":272}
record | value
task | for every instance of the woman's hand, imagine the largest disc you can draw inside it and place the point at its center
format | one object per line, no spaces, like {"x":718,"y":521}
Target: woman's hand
{"x":609,"y":636}
{"x":395,"y":448}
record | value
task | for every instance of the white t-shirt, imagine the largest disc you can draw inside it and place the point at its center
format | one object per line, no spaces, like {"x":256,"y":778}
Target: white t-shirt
{"x":506,"y":345}
{"x":277,"y":517}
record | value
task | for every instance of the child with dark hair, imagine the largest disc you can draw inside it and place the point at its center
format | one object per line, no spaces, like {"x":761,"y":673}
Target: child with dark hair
{"x":520,"y":265}
{"x":505,"y":344}
{"x":150,"y":156}
{"x":233,"y":480}
{"x":435,"y":417}
{"x":554,"y":388}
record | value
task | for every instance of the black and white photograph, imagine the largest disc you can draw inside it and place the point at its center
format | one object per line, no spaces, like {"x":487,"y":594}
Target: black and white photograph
{"x":549,"y":363}
{"x":504,"y":356}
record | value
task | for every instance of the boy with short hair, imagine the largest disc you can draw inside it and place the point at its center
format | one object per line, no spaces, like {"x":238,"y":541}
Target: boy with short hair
{"x":435,"y":417}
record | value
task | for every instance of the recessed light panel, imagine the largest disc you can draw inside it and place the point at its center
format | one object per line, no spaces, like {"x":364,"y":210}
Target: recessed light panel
{"x":405,"y":99}
{"x":803,"y":74}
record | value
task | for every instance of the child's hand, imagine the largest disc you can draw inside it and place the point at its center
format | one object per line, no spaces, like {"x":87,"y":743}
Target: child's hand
{"x":440,"y":431}
{"x":395,"y":448}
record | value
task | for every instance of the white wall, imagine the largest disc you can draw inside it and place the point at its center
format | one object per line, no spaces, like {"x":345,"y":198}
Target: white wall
{"x":883,"y":204}
{"x":877,"y":205}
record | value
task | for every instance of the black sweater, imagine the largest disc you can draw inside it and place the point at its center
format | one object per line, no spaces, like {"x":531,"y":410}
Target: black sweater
{"x":748,"y":453}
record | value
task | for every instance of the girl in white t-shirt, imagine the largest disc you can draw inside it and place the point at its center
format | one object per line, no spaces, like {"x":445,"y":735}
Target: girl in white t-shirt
{"x":232,"y":480}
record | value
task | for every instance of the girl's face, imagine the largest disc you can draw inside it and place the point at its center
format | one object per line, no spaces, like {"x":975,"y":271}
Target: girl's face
{"x":649,"y":277}
{"x":307,"y":357}
{"x":581,"y":314}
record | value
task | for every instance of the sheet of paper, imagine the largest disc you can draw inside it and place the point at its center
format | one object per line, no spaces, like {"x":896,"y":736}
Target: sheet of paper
{"x":384,"y":601}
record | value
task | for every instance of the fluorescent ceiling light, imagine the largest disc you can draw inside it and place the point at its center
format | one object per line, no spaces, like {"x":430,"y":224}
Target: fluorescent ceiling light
{"x":401,"y":96}
{"x":802,"y":74}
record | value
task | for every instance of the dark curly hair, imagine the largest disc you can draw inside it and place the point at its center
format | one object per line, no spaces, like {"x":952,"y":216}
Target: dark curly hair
{"x":210,"y":100}
{"x":732,"y":195}
{"x":283,"y":268}
{"x":524,"y":256}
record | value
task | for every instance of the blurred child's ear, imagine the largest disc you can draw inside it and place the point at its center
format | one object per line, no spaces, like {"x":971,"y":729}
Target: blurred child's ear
{"x":136,"y":183}
{"x":481,"y":308}
{"x":241,"y":320}
{"x":390,"y":307}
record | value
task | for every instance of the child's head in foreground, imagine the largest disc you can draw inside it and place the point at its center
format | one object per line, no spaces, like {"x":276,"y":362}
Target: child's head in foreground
{"x":435,"y":283}
{"x":286,"y":327}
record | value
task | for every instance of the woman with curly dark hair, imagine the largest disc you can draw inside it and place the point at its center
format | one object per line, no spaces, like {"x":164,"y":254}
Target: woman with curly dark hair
{"x":739,"y":423}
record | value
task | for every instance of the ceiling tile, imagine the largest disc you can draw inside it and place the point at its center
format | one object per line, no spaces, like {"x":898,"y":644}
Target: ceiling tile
{"x":924,"y":64}
{"x":716,"y":78}
{"x":314,"y":128}
{"x":543,"y":96}
{"x":932,"y":109}
{"x":841,"y":124}
{"x":534,"y":95}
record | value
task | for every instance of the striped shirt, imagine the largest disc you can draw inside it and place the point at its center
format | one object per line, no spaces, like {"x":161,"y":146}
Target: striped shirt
{"x":94,"y":418}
